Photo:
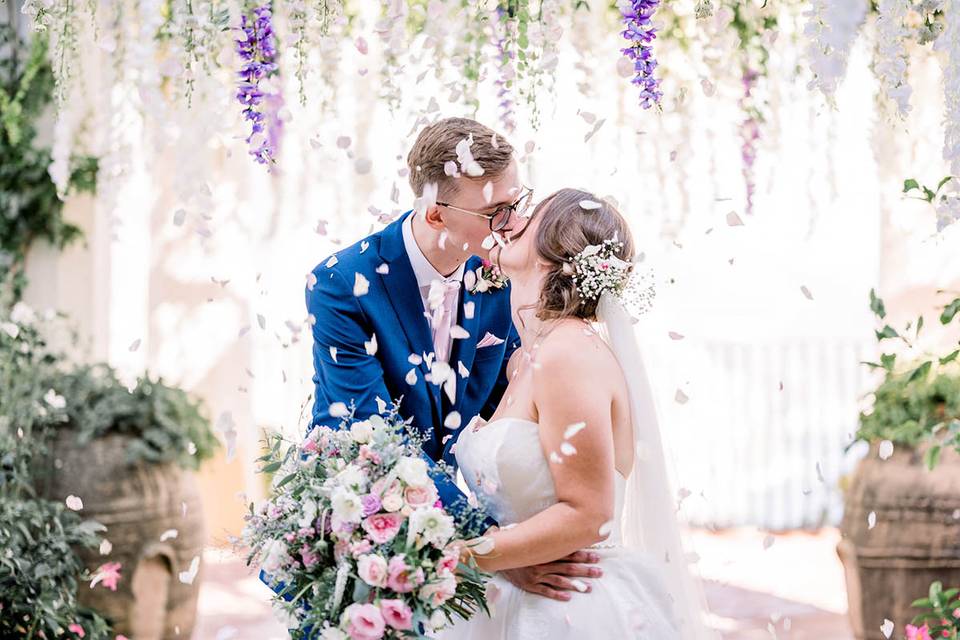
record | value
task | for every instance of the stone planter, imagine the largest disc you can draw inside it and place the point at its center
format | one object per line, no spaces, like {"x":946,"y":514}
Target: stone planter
{"x":137,"y":504}
{"x":916,"y":539}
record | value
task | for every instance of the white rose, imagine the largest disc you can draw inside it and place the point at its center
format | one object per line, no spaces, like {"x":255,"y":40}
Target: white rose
{"x":309,"y":513}
{"x":392,"y":502}
{"x":432,"y":525}
{"x":332,"y":633}
{"x":352,"y":476}
{"x":361,"y":431}
{"x":10,"y":329}
{"x":346,"y":505}
{"x":275,"y":556}
{"x":413,"y":471}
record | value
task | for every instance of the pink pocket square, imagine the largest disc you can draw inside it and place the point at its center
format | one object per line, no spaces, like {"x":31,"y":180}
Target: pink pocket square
{"x":489,"y":340}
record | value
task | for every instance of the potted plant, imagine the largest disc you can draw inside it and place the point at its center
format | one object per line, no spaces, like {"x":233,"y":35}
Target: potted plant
{"x":128,"y":455}
{"x":41,"y":573}
{"x":901,"y":523}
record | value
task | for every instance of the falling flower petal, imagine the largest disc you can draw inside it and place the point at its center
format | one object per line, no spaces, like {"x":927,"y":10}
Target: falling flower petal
{"x":360,"y":285}
{"x":338,"y":410}
{"x":567,"y":449}
{"x":885,"y":449}
{"x":332,"y":261}
{"x":187,"y":577}
{"x":806,"y":292}
{"x":573,"y":430}
{"x":370,"y":346}
{"x":887,"y":628}
{"x":589,"y":205}
{"x":169,"y":534}
{"x":105,"y":547}
{"x":74,"y":503}
{"x":733,"y":220}
{"x":680,"y":397}
{"x":135,"y":345}
{"x":333,"y":353}
{"x":871,"y":520}
{"x":411,"y":377}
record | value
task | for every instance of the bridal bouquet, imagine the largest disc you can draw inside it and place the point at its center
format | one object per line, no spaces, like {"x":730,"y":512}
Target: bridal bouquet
{"x":354,"y":539}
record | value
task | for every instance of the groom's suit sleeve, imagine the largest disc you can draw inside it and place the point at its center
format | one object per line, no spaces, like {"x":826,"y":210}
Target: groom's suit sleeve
{"x":354,"y":374}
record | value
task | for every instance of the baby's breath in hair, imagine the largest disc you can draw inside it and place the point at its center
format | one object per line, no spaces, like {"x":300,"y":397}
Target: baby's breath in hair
{"x":597,"y":269}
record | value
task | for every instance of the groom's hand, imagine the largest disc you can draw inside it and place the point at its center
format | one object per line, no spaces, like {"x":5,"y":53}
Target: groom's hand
{"x":557,"y":579}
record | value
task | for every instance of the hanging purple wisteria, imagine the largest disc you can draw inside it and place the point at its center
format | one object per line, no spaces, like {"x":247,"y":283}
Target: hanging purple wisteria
{"x":256,"y":47}
{"x":638,"y":19}
{"x":505,"y":35}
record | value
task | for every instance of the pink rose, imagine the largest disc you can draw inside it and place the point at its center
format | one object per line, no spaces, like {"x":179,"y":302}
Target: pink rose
{"x":77,"y":629}
{"x":366,"y":453}
{"x":439,"y":591}
{"x":310,"y":446}
{"x":382,"y":527}
{"x":420,"y":496}
{"x":397,"y":614}
{"x":401,"y":577}
{"x":366,"y":622}
{"x":309,"y":557}
{"x":372,"y":569}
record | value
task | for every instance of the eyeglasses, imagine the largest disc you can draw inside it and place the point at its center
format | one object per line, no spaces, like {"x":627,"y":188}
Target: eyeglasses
{"x":501,"y":215}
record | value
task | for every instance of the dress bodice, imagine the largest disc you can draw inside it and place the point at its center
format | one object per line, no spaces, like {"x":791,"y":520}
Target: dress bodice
{"x":504,"y":465}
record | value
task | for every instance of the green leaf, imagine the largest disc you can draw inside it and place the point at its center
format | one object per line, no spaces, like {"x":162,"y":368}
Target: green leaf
{"x":950,"y":311}
{"x":932,"y":457}
{"x":919,"y":326}
{"x":930,"y":195}
{"x":922,"y":603}
{"x":920,"y":372}
{"x":876,"y":305}
{"x":286,"y":480}
{"x":950,"y":358}
{"x":888,"y":360}
{"x":943,"y":182}
{"x":909,"y":185}
{"x":887,"y":332}
{"x":270,"y":468}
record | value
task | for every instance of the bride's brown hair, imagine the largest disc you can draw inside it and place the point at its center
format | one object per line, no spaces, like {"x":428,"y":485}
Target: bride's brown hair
{"x":568,"y":225}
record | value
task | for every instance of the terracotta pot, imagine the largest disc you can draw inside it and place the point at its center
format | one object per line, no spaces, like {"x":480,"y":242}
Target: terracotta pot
{"x":916,"y":539}
{"x":137,"y":503}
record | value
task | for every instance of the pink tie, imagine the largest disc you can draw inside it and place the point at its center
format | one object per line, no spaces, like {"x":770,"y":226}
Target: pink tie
{"x":444,"y":323}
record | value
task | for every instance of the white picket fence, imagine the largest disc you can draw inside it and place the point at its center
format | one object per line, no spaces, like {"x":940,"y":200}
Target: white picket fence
{"x":758,"y":455}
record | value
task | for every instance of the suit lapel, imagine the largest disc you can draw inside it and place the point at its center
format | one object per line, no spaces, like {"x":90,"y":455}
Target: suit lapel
{"x":403,"y":290}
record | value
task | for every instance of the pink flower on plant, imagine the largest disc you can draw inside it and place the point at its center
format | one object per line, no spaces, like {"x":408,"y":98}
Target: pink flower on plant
{"x":401,"y":577}
{"x":360,"y":547}
{"x":366,"y":622}
{"x":310,"y":446}
{"x":448,"y":563}
{"x":108,"y":573}
{"x":397,"y":614}
{"x":917,"y":633}
{"x":382,"y":527}
{"x":77,"y":629}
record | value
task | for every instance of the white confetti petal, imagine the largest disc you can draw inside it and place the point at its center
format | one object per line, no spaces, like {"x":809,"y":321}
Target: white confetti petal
{"x":381,"y":404}
{"x":589,"y":205}
{"x":179,"y":216}
{"x":452,"y":420}
{"x":261,"y":321}
{"x":311,"y":281}
{"x":675,"y":336}
{"x":885,"y":449}
{"x":343,"y":141}
{"x":887,"y":628}
{"x":806,"y":292}
{"x":555,"y":458}
{"x":681,"y":397}
{"x":573,"y":430}
{"x":360,"y":285}
{"x":169,"y":534}
{"x":338,"y":410}
{"x":383,"y":269}
{"x":733,"y":220}
{"x":135,"y":345}
{"x":768,"y":541}
{"x":871,"y":520}
{"x":606,"y":528}
{"x":187,"y":577}
{"x":464,"y":372}
{"x":74,"y":503}
{"x":333,"y":353}
{"x":364,"y":246}
{"x":567,"y":449}
{"x":332,"y":261}
{"x":411,"y":377}
{"x":371,"y":346}
{"x":468,"y":310}
{"x":488,"y":242}
{"x":459,"y":333}
{"x":488,"y":192}
{"x":105,"y":547}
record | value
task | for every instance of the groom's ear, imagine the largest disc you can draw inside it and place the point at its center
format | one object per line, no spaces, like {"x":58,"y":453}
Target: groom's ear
{"x":434,"y":217}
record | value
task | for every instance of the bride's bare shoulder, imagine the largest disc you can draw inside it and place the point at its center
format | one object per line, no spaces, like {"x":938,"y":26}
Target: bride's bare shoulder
{"x":573,"y":343}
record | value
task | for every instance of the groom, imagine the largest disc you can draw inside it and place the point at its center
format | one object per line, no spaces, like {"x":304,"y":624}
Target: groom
{"x":399,"y":315}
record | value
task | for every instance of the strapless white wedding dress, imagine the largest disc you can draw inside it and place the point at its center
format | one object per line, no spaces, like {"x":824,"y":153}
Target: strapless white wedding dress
{"x":504,"y":465}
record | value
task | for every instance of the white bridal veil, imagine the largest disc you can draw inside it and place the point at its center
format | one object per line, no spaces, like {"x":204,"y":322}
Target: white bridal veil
{"x":649,"y":519}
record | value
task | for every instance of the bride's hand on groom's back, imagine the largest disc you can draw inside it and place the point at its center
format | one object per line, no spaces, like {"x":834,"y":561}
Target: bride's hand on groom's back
{"x":558,"y":579}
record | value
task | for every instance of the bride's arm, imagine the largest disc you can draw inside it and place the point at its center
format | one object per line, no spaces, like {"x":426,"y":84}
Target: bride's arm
{"x":567,"y":391}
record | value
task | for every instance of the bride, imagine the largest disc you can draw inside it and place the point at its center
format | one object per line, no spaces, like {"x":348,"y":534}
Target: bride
{"x":572,"y":456}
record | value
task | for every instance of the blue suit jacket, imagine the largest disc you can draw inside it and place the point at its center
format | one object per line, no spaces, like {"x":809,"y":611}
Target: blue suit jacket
{"x":392,"y":310}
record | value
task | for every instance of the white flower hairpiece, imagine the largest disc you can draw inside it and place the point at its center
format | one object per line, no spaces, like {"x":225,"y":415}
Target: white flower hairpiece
{"x":597,"y":270}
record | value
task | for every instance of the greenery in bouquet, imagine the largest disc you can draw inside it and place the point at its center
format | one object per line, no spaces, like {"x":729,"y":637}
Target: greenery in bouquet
{"x":941,"y":618}
{"x":354,"y":538}
{"x":918,"y":403}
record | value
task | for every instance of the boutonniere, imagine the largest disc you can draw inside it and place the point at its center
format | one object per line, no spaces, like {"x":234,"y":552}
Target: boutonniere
{"x":488,"y":277}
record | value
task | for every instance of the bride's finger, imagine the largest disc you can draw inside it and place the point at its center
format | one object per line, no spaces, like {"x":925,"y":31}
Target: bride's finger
{"x":573,"y":570}
{"x":583,"y":557}
{"x":559,"y":582}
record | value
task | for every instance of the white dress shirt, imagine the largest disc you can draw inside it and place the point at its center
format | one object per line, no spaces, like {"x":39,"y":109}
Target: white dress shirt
{"x":426,"y":276}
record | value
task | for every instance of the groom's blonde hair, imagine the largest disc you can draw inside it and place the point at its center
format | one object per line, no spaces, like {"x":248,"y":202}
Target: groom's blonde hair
{"x":436,"y":145}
